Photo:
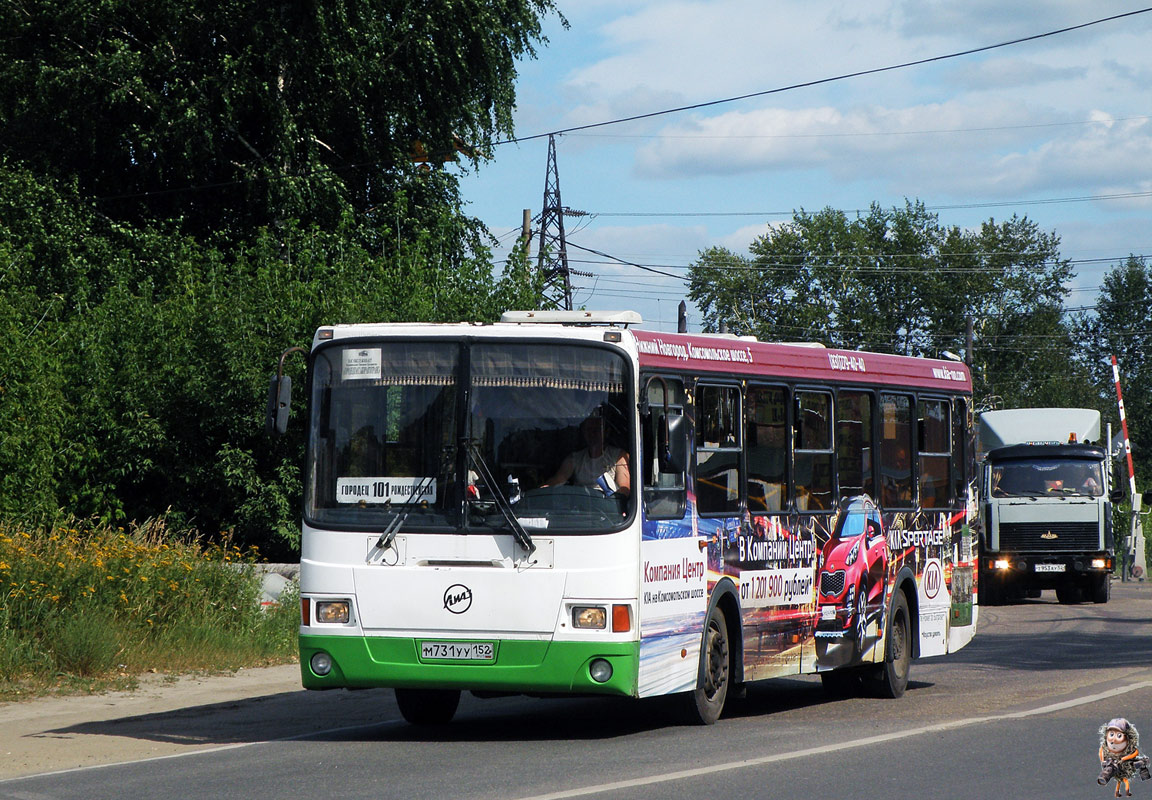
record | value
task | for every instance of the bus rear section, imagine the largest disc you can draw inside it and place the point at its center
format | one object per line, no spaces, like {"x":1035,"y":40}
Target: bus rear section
{"x":439,"y":552}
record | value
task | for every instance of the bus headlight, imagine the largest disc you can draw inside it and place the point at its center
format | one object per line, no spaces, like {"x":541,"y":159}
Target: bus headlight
{"x":336,"y":612}
{"x":321,"y":663}
{"x":600,"y":670}
{"x":589,"y":617}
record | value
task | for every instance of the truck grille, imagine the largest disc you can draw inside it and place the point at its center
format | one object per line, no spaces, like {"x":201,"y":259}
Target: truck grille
{"x":1023,"y":537}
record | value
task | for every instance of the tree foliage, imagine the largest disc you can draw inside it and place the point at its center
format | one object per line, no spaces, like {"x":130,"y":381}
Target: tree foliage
{"x":897,"y":281}
{"x":1119,"y":327}
{"x":187,"y":189}
{"x":235,"y":115}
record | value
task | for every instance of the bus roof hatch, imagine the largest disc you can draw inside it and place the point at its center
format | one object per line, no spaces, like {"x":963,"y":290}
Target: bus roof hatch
{"x":624,"y":318}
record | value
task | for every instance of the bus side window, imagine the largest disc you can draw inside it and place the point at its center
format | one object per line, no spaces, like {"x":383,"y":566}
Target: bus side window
{"x":766,"y":444}
{"x":935,"y":437}
{"x":896,"y":451}
{"x":664,"y":495}
{"x":718,"y":445}
{"x":812,"y":425}
{"x":854,"y":443}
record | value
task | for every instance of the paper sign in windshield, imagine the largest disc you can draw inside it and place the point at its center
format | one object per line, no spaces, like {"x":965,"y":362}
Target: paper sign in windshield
{"x":384,"y":490}
{"x":362,"y":364}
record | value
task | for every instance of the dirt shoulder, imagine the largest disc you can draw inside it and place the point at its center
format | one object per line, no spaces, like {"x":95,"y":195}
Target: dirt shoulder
{"x":164,"y":716}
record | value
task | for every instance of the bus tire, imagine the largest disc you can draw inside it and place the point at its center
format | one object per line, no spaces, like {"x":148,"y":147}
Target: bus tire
{"x":841,"y":683}
{"x":706,"y":702}
{"x":890,"y":678}
{"x":427,"y":706}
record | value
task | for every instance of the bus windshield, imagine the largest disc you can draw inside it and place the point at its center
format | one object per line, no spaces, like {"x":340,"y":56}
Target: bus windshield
{"x":457,"y":437}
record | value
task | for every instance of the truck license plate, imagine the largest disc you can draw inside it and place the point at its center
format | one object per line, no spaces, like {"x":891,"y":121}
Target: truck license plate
{"x":457,"y":651}
{"x":1050,"y":567}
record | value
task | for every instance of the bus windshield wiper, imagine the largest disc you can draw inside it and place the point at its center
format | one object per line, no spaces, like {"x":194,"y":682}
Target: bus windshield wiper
{"x":522,"y":536}
{"x":389,"y":535}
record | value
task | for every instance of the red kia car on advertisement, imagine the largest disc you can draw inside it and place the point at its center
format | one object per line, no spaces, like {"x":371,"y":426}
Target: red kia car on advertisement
{"x":852,"y":584}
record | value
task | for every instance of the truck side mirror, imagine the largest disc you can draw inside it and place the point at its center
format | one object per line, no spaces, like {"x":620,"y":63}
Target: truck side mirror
{"x":1117,"y":495}
{"x":279,"y":404}
{"x":672,"y":444}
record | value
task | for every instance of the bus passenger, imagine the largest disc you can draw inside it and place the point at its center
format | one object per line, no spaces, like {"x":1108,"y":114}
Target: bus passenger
{"x":598,"y":464}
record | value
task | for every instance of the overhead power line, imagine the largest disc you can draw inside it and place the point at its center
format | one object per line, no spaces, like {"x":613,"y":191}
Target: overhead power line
{"x":820,"y":81}
{"x":942,"y":207}
{"x":854,"y":134}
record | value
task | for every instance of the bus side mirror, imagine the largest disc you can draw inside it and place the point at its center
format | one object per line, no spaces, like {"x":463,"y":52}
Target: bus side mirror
{"x":279,"y":403}
{"x":672,"y":447}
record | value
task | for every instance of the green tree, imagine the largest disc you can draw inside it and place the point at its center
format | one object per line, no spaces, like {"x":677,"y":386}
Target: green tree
{"x":188,"y":189}
{"x":231,"y":116}
{"x":896,"y":280}
{"x":1119,"y":327}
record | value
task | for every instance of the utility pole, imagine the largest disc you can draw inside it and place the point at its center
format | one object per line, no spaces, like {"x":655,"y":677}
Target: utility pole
{"x":553,"y":260}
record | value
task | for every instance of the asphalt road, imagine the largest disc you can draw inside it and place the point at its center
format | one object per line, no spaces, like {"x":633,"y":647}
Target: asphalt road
{"x":1015,"y":714}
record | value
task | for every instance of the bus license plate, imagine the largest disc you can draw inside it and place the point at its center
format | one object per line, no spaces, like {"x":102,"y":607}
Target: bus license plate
{"x":1050,"y":567}
{"x":457,"y":651}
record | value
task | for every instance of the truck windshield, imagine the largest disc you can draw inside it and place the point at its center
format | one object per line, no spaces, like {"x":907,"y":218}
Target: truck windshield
{"x":397,"y":428}
{"x":1048,"y":477}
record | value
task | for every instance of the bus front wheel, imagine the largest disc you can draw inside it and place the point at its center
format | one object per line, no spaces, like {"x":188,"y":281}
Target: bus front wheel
{"x":427,"y":706}
{"x":706,"y":702}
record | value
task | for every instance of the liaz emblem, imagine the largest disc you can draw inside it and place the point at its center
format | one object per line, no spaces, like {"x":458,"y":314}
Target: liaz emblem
{"x":1049,"y":535}
{"x":457,"y":598}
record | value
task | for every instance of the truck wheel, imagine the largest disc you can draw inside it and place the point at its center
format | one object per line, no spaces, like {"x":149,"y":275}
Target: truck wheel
{"x":890,"y":678}
{"x":706,"y":701}
{"x":991,"y":591}
{"x":1101,"y":588}
{"x":1068,"y":593}
{"x":427,"y":706}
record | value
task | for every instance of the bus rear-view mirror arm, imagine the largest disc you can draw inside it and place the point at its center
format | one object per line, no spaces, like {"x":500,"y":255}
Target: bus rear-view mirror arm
{"x":280,"y":396}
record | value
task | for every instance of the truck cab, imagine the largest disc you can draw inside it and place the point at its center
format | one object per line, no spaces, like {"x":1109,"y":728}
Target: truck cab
{"x":1047,"y":498}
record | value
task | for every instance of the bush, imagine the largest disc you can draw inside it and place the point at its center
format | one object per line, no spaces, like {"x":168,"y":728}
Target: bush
{"x":90,"y":602}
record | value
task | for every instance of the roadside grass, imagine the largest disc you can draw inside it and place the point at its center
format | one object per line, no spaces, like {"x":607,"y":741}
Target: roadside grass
{"x":86,"y":607}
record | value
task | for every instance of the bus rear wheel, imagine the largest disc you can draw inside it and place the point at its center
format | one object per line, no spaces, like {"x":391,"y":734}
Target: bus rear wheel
{"x":427,"y":706}
{"x":890,"y":678}
{"x":706,"y":702}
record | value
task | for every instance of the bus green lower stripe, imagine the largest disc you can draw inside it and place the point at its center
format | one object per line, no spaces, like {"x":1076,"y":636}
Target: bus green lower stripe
{"x":520,"y":666}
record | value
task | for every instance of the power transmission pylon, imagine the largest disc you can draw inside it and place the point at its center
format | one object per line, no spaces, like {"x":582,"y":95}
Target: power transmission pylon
{"x":556,"y":287}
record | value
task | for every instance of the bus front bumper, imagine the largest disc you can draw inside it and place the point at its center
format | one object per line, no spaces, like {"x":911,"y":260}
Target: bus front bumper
{"x":527,"y":667}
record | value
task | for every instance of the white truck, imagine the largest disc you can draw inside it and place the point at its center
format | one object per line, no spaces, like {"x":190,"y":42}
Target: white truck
{"x":1046,"y":495}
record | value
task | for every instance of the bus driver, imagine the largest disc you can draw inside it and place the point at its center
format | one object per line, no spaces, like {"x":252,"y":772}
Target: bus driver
{"x":598,"y":464}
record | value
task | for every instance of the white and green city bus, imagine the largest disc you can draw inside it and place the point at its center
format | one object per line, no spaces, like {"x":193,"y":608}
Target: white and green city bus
{"x":771,"y":510}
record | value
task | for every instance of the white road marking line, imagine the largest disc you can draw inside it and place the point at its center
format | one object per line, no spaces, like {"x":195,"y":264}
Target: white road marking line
{"x":839,"y":746}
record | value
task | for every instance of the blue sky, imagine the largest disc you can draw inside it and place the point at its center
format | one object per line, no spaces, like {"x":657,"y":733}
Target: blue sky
{"x":1058,"y":129}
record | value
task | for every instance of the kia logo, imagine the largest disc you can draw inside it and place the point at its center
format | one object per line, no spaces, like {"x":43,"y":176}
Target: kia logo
{"x":932,"y":579}
{"x":457,"y":598}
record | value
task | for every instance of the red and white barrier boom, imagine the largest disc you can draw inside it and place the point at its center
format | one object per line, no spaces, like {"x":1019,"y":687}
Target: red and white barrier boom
{"x":1130,"y":546}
